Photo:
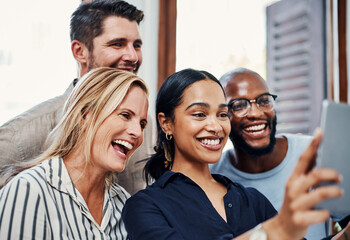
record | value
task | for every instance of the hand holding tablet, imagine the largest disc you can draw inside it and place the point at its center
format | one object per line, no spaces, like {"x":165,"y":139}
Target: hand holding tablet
{"x":334,"y":151}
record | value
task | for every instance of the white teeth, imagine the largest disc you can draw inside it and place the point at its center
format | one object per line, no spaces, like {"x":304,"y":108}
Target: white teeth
{"x":124,"y":143}
{"x":210,"y":141}
{"x":255,"y":127}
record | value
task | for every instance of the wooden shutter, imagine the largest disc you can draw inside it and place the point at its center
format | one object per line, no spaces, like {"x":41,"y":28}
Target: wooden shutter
{"x":296,"y":62}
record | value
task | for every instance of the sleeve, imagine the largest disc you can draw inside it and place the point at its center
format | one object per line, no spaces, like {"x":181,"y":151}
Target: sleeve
{"x":144,"y":220}
{"x":22,"y":138}
{"x":8,"y":145}
{"x":22,"y":213}
{"x":20,"y":141}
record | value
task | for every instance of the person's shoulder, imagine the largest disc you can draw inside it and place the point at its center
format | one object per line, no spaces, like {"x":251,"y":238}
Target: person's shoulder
{"x":298,"y":139}
{"x":139,"y":201}
{"x":144,"y":193}
{"x":32,"y":179}
{"x":152,"y":191}
{"x":138,"y":205}
{"x":297,"y":136}
{"x":22,"y":137}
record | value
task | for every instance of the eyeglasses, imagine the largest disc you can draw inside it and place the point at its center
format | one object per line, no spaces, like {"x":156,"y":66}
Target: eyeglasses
{"x":240,"y":107}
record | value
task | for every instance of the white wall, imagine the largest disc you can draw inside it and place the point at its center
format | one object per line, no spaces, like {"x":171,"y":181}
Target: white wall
{"x":36,"y":62}
{"x":218,"y":36}
{"x":335,"y":51}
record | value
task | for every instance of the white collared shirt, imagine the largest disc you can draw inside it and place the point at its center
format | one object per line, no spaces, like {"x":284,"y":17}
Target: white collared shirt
{"x":42,"y":203}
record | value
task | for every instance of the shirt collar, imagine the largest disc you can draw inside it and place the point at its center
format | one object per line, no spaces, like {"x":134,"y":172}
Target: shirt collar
{"x":71,"y":86}
{"x":224,"y":180}
{"x":57,"y":175}
{"x":75,"y":81}
{"x":168,"y":176}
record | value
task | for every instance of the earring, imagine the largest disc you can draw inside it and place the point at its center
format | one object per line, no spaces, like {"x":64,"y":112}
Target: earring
{"x":168,"y":137}
{"x":166,"y":146}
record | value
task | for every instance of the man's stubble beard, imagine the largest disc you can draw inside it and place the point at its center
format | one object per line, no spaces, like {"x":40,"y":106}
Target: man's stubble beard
{"x":92,"y":64}
{"x":239,"y":142}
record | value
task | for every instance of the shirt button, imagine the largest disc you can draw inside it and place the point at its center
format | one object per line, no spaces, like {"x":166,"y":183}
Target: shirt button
{"x":229,"y":205}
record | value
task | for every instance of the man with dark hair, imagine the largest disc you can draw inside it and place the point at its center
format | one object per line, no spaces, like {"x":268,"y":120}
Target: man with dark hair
{"x":259,"y":159}
{"x":104,"y":33}
{"x":107,"y":32}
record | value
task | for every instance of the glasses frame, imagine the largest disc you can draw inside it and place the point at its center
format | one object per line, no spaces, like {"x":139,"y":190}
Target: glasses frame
{"x":250,"y":103}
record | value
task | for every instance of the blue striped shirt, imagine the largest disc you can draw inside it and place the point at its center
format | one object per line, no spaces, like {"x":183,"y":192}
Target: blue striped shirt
{"x":42,"y":203}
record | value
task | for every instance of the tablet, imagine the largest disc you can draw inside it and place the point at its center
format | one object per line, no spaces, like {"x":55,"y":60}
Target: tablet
{"x":334,"y":151}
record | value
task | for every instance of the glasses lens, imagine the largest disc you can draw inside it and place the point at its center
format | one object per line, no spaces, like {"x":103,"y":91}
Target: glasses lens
{"x":266,"y":103}
{"x":240,"y":107}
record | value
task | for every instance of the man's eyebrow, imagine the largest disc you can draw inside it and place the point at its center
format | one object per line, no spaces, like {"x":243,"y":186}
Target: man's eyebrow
{"x":223,"y":105}
{"x":139,"y":41}
{"x":116,"y":40}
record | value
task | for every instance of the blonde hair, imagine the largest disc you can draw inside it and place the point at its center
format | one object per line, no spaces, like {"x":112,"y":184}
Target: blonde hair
{"x":98,"y":94}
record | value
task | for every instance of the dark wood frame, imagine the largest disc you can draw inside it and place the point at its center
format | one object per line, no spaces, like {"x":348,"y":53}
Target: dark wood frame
{"x":343,"y":73}
{"x":342,"y":52}
{"x":166,"y":39}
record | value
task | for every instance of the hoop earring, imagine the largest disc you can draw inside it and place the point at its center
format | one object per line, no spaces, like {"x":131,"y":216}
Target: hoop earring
{"x":168,"y":137}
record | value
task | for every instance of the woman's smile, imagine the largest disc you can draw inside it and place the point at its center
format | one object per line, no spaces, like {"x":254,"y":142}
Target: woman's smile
{"x":211,"y":143}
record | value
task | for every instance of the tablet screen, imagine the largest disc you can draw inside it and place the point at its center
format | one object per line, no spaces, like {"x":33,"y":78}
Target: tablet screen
{"x":334,"y":151}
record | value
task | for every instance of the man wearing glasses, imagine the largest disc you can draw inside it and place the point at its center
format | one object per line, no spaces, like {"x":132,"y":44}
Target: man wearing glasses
{"x":259,"y":158}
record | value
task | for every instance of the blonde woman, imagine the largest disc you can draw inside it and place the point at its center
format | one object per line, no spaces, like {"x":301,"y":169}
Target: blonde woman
{"x":68,"y":192}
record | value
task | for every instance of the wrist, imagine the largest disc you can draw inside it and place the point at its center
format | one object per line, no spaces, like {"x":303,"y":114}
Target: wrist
{"x":275,"y":229}
{"x":258,"y":233}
